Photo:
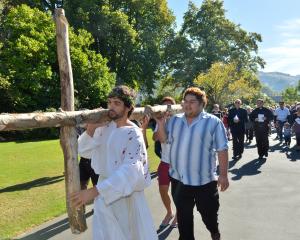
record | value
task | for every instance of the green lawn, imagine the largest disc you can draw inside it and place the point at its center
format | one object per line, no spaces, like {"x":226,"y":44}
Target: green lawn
{"x":32,"y":188}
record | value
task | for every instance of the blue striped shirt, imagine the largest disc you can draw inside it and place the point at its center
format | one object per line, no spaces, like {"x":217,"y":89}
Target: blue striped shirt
{"x":192,"y":148}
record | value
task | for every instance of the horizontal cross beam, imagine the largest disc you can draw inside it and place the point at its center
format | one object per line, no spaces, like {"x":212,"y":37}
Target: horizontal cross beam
{"x":22,"y":121}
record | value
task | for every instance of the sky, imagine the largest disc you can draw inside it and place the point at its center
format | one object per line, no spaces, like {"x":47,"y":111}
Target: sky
{"x":278,"y":21}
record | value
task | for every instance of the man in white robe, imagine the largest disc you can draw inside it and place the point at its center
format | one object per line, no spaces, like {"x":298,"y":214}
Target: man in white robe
{"x":119,"y":156}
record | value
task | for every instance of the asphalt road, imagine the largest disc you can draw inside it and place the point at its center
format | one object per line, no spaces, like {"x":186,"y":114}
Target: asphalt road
{"x":262,"y":202}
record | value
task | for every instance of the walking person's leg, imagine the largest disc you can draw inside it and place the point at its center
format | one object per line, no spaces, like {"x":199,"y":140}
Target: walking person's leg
{"x":207,"y":202}
{"x":247,"y":134}
{"x":163,"y":184}
{"x":265,"y":143}
{"x":183,"y":197}
{"x":259,"y":143}
{"x":235,"y":145}
{"x":297,"y":141}
{"x":280,"y":127}
{"x":241,"y":139}
{"x":251,"y":133}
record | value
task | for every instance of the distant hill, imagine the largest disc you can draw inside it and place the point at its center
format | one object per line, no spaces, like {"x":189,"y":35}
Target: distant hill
{"x":278,"y":81}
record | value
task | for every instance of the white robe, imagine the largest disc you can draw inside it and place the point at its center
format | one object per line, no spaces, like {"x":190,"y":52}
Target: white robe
{"x":119,"y":156}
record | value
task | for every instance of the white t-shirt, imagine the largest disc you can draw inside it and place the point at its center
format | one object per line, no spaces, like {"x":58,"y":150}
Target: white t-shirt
{"x":282,"y":114}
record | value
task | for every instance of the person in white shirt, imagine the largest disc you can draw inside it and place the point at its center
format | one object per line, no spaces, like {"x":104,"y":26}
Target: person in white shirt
{"x":119,"y":156}
{"x":281,"y":115}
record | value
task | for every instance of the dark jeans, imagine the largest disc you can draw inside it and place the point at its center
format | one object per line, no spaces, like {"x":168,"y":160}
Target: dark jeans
{"x":238,"y":143}
{"x":249,"y":134}
{"x":298,"y":139}
{"x":206,"y":199}
{"x":287,"y":140}
{"x":279,"y":129}
{"x":262,"y":141}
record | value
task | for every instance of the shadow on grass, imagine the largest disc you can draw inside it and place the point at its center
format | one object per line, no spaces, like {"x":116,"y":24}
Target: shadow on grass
{"x":35,"y":183}
{"x":52,"y":230}
{"x":248,"y":169}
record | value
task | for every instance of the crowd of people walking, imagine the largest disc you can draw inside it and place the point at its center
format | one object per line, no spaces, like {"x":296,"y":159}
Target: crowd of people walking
{"x":243,"y":124}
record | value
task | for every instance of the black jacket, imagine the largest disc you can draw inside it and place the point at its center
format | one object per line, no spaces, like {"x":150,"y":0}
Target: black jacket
{"x":266,"y":112}
{"x":238,"y":127}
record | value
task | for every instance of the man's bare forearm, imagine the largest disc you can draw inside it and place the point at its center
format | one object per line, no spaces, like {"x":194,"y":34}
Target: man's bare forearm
{"x":223,"y":162}
{"x":161,"y":134}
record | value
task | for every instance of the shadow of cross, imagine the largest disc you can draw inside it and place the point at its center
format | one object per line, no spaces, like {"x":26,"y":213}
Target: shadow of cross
{"x":67,"y":119}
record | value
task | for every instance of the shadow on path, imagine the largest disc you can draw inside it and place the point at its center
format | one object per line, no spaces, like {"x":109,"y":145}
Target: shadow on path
{"x":279,"y":146}
{"x":35,"y":183}
{"x":249,"y":169}
{"x":292,"y":154}
{"x":52,"y":230}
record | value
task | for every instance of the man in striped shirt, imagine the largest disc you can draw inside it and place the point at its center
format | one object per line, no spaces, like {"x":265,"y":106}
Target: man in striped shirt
{"x":192,"y":141}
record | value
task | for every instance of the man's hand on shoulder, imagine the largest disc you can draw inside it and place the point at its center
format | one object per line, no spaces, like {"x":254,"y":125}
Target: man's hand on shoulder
{"x":91,"y":127}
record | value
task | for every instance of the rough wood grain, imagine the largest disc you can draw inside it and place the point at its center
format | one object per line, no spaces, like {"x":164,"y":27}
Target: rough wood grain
{"x":24,"y":121}
{"x":68,"y":136}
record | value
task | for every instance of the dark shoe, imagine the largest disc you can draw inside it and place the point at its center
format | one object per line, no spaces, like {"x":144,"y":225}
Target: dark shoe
{"x":166,"y":221}
{"x":267,"y":154}
{"x":216,"y":236}
{"x":240,"y":156}
{"x":261,"y":157}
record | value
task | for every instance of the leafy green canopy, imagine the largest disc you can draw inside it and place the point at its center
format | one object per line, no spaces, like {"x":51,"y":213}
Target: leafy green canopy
{"x":207,"y":37}
{"x":29,"y":74}
{"x":223,"y":84}
{"x":130,"y":34}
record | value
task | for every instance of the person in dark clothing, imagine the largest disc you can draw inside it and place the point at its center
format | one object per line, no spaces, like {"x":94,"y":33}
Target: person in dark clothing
{"x":86,"y":172}
{"x":296,"y":128}
{"x":237,"y":118}
{"x":249,"y":127}
{"x":261,"y":118}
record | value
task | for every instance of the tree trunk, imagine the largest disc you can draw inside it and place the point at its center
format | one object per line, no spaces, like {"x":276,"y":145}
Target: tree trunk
{"x":68,"y":136}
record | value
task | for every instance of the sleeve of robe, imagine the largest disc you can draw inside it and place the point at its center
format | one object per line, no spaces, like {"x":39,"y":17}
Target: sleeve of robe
{"x":133,"y":173}
{"x":86,"y":143}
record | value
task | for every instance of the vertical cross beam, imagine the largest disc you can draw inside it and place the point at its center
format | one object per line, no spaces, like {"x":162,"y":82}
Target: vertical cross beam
{"x":68,"y":136}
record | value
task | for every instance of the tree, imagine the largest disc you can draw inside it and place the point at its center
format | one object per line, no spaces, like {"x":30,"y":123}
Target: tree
{"x":222,"y":84}
{"x":291,"y":95}
{"x":206,"y":37}
{"x":130,"y":34}
{"x":28,"y":64}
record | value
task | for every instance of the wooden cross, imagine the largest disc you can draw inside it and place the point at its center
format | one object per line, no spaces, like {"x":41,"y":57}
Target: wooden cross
{"x":67,"y":119}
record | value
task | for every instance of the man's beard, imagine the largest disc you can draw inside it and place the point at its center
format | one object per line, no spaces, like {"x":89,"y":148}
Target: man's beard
{"x":114,"y":116}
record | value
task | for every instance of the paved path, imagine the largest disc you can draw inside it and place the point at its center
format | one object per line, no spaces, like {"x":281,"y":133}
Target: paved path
{"x":262,"y":203}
